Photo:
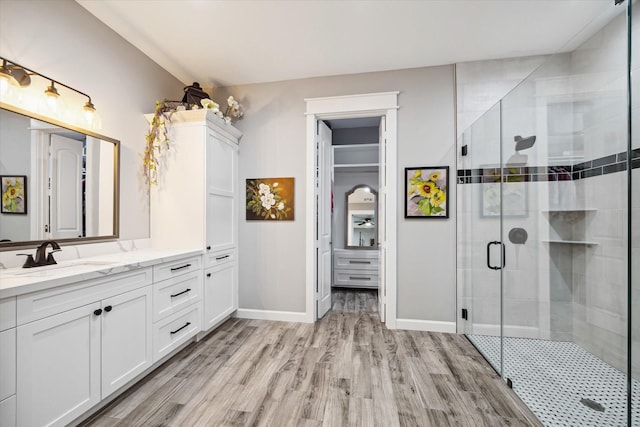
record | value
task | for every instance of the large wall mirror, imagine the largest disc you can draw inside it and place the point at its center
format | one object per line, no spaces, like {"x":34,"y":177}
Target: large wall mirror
{"x":58,"y":182}
{"x":361,"y":213}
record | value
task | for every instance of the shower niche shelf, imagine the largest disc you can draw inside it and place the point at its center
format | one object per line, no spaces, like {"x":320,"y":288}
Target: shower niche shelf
{"x":565,"y":226}
{"x":573,"y":242}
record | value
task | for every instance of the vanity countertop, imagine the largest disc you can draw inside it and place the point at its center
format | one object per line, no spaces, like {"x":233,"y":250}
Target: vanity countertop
{"x":17,"y":281}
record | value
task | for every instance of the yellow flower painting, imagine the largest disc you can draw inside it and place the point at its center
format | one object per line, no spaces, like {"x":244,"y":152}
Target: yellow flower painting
{"x":427,"y":190}
{"x":14,"y":194}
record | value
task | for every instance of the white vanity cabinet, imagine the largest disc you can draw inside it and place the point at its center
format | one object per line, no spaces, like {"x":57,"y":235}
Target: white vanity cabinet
{"x":220,"y":290}
{"x":78,"y":343}
{"x":177,"y":299}
{"x":8,"y":362}
{"x":196,"y":204}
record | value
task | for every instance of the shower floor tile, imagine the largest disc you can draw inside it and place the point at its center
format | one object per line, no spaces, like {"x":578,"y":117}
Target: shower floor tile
{"x":552,"y":377}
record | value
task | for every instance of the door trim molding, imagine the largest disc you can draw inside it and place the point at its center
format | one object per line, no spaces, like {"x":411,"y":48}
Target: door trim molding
{"x":349,"y":106}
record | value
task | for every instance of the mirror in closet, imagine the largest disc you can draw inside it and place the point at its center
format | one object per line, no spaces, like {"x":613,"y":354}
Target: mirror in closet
{"x":361,"y":221}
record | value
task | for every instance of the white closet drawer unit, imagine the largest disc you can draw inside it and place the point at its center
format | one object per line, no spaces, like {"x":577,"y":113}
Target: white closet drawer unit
{"x":175,"y":330}
{"x":356,"y":260}
{"x":355,"y":268}
{"x":174,"y":294}
{"x":176,"y":268}
{"x":355,"y":278}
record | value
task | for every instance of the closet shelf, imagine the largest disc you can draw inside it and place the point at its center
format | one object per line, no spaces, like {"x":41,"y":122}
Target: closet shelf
{"x":573,"y":242}
{"x":357,"y":167}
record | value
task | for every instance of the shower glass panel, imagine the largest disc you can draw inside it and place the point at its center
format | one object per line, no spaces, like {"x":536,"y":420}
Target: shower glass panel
{"x":546,"y":233}
{"x":480,"y":224}
{"x":633,"y":234}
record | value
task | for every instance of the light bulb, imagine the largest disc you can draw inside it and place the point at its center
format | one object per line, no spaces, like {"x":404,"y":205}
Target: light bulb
{"x":90,"y":118}
{"x":5,"y":88}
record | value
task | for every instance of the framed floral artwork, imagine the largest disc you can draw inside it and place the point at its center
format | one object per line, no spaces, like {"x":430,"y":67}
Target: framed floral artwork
{"x":270,"y":199}
{"x":14,"y":194}
{"x":426,"y":192}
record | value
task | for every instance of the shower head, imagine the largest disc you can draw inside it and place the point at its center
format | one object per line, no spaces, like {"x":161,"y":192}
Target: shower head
{"x":524,"y":143}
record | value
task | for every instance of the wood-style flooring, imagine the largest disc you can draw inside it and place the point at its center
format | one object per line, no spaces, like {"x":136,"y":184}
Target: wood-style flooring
{"x":345,"y":370}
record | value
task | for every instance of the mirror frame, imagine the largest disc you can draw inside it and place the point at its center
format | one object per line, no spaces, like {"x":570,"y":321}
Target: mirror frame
{"x":30,"y":244}
{"x":346,"y":219}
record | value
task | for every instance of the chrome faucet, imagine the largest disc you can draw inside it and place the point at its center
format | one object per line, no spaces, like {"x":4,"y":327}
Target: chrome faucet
{"x":42,"y":258}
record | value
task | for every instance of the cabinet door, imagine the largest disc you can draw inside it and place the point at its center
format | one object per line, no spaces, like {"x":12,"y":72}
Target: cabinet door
{"x":219,"y":294}
{"x":126,"y":338}
{"x":58,"y":363}
{"x":221,"y":215}
{"x":7,"y":363}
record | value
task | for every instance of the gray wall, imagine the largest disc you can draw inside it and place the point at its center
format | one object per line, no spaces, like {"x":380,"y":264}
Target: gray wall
{"x":364,"y":135}
{"x":272,"y":255}
{"x":62,"y":40}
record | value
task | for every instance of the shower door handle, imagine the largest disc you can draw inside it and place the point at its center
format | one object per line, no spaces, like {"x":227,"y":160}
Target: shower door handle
{"x":504,"y":262}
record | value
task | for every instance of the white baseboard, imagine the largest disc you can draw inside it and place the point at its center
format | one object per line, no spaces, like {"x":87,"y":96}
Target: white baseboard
{"x":426,"y":325}
{"x":281,"y":316}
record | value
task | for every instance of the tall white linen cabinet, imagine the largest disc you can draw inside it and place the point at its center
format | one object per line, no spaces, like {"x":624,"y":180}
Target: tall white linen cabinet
{"x":195,"y":204}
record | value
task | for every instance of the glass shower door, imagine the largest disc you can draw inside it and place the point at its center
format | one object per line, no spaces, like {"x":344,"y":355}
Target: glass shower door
{"x":480,"y":223}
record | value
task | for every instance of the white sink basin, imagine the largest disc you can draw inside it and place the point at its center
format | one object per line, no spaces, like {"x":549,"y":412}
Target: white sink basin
{"x":52,"y":270}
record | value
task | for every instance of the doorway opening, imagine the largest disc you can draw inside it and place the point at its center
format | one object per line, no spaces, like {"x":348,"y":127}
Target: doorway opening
{"x":372,"y":254}
{"x":355,"y":180}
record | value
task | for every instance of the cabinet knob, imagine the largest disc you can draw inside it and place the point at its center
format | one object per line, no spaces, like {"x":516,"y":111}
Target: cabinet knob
{"x":208,"y":274}
{"x":208,"y":248}
{"x":108,"y":308}
{"x":98,"y":312}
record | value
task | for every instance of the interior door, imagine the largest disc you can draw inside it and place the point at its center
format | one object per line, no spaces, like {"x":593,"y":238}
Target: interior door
{"x":381,"y":220}
{"x":323,"y":220}
{"x":65,"y":187}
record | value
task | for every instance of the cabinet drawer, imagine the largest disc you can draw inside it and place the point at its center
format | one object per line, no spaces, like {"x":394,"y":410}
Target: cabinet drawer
{"x":219,"y":258}
{"x":172,"y":332}
{"x":7,"y":363}
{"x":172,"y":295}
{"x":355,"y":278}
{"x":39,"y":305}
{"x":7,"y":313}
{"x":356,"y":262}
{"x":176,"y":268}
{"x":8,"y":412}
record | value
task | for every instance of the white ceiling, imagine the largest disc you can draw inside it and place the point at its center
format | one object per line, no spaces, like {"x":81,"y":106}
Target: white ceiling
{"x":223,"y":43}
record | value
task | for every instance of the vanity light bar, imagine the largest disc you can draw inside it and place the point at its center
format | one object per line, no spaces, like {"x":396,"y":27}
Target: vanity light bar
{"x":14,"y":75}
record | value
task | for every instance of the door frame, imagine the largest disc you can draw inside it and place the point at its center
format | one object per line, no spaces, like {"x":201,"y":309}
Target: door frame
{"x":352,"y":106}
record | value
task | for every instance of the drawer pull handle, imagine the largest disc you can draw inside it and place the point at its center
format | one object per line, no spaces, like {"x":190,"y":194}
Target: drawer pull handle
{"x":218,"y":258}
{"x":180,"y":293}
{"x":180,"y":328}
{"x":353,"y":261}
{"x":359,"y":278}
{"x":98,"y":312}
{"x":108,"y":308}
{"x":181,"y":267}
